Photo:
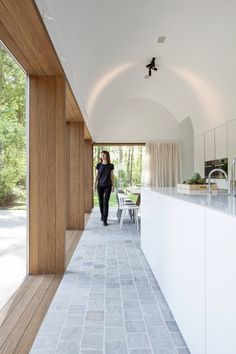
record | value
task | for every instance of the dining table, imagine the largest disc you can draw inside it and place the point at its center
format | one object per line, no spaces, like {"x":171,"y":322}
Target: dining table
{"x":134,"y":191}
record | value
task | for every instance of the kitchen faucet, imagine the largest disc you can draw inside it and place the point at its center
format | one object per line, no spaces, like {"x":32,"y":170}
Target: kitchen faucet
{"x":212,"y":171}
{"x":232,"y":182}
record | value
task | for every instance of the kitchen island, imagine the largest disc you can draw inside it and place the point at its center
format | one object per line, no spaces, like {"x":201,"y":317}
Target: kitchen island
{"x":190,"y":244}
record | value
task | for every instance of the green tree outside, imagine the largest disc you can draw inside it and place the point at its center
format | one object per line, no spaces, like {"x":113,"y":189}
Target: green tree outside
{"x":12,"y":129}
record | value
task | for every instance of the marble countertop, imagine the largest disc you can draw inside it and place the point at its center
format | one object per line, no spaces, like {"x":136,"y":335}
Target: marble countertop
{"x":217,"y":200}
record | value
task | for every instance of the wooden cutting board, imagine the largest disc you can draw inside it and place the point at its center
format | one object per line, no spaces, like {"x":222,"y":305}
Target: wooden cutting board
{"x":196,"y":186}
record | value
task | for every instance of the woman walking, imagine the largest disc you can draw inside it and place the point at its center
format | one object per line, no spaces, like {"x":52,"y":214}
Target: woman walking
{"x":105,"y":184}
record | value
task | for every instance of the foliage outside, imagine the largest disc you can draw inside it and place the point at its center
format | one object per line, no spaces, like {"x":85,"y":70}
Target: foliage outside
{"x":12,"y":129}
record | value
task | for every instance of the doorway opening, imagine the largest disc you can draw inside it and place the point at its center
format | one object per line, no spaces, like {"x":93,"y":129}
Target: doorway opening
{"x":128,"y":163}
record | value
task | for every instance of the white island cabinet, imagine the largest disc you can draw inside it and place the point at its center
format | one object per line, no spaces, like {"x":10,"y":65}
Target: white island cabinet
{"x":220,"y":283}
{"x":190,"y":244}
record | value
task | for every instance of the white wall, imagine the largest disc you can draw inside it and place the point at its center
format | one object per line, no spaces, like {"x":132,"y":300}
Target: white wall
{"x":125,"y":125}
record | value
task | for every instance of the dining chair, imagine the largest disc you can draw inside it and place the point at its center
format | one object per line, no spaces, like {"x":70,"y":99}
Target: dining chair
{"x":124,"y":206}
{"x":128,"y":201}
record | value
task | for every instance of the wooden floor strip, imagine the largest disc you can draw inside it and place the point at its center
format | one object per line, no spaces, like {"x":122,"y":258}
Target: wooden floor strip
{"x":73,"y":238}
{"x":11,"y":320}
{"x":28,"y":337}
{"x":23,"y":320}
{"x":22,"y":315}
{"x":86,"y":218}
{"x":15,"y":298}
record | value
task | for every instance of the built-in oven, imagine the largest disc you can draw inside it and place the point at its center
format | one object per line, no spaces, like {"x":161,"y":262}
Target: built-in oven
{"x":211,"y":165}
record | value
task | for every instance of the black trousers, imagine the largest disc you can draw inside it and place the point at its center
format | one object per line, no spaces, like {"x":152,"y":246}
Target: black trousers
{"x":104,"y":196}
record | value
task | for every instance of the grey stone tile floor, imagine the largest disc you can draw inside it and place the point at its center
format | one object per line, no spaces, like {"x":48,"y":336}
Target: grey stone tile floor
{"x":109,"y":301}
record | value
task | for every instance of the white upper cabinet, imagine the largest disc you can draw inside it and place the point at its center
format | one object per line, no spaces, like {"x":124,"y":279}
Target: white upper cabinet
{"x":210,"y":146}
{"x":199,"y":155}
{"x":231,"y":141}
{"x":221,"y":149}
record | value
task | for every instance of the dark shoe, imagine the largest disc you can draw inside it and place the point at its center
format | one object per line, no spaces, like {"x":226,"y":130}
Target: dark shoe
{"x":101,"y":218}
{"x":105,"y":223}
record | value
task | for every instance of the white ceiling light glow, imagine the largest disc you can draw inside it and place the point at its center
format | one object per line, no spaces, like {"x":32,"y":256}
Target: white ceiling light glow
{"x":206,"y":93}
{"x":103,"y":82}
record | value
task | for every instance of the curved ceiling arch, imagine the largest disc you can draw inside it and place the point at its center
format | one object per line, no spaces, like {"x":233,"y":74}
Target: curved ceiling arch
{"x":102,"y":83}
{"x":124,"y":82}
{"x":196,"y":76}
{"x":123,"y":121}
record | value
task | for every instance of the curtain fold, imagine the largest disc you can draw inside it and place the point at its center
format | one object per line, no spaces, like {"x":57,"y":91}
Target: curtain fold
{"x":163,"y":164}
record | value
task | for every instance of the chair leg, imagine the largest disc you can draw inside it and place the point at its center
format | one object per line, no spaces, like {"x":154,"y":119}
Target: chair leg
{"x":118,"y":215}
{"x":122,"y":218}
{"x":130,"y":214}
{"x":136,"y":219}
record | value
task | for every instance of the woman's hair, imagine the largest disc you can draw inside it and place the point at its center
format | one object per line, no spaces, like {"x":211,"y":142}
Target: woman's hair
{"x":107,"y":155}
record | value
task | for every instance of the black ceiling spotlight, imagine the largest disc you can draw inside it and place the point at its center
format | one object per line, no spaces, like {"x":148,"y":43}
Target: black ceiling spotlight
{"x":151,"y":66}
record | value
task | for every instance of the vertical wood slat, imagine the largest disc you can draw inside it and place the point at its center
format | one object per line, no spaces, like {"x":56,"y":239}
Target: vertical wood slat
{"x":81,"y":175}
{"x":75,"y":176}
{"x":88,"y":171}
{"x":68,"y":172}
{"x":47,"y":174}
{"x":73,"y":113}
{"x":72,"y":222}
{"x":60,"y":176}
{"x":34,"y":149}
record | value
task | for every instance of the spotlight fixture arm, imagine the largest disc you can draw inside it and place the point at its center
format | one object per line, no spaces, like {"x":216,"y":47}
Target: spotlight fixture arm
{"x":151,"y":66}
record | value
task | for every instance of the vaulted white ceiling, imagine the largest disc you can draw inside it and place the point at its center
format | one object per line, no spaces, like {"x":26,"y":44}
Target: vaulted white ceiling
{"x":104,"y":46}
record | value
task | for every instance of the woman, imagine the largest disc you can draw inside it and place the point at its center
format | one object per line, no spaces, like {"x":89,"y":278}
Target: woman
{"x":105,"y":184}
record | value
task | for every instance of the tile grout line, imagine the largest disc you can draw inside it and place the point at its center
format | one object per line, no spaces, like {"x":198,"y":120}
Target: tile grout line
{"x":86,"y":310}
{"x":162,"y":316}
{"x":139,"y":300}
{"x":122,"y":305}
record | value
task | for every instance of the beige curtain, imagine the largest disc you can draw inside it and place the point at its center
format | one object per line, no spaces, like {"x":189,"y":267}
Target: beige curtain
{"x":163,"y":164}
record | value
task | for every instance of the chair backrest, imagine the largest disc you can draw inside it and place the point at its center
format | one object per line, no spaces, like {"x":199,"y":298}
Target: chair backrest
{"x":121,"y":198}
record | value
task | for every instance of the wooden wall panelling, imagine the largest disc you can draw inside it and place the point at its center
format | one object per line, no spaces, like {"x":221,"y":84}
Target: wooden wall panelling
{"x":75,"y":176}
{"x":70,"y":206}
{"x":60,"y":175}
{"x":47,"y":174}
{"x":32,"y":46}
{"x":10,"y":43}
{"x":81,"y":175}
{"x":73,"y":113}
{"x":88,"y":170}
{"x":34,"y":148}
{"x":68,"y":172}
{"x":86,"y":133}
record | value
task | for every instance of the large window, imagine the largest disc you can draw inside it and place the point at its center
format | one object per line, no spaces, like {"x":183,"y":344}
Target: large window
{"x":13,"y":174}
